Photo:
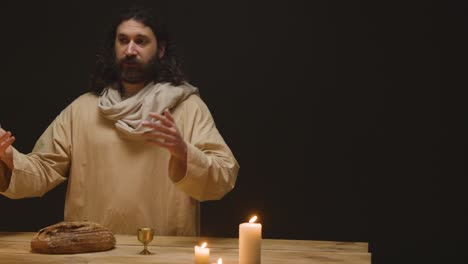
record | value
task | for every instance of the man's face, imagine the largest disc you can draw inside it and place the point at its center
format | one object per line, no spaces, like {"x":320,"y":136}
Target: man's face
{"x":136,"y":51}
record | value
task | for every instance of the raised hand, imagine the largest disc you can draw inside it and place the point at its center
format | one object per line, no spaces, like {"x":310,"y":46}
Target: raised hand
{"x":6,"y":151}
{"x":166,"y":134}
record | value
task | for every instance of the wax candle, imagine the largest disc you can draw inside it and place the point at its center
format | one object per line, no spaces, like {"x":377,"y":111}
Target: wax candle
{"x":250,"y":242}
{"x":220,"y":261}
{"x":202,"y":254}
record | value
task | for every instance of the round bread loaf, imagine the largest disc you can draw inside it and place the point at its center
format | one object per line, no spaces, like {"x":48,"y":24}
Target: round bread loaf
{"x":72,"y":238}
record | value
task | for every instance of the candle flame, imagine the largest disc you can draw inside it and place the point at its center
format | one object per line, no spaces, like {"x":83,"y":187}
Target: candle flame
{"x":220,"y":261}
{"x":203,"y":245}
{"x":253,"y":219}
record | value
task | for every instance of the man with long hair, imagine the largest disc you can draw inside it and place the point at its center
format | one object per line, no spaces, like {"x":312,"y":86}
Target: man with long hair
{"x":142,"y":149}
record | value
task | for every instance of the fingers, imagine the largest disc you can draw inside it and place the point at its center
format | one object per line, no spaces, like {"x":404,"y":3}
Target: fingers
{"x":166,"y":125}
{"x":164,"y":120}
{"x":5,"y":144}
{"x":8,"y":142}
{"x":164,"y":133}
{"x":159,"y":128}
{"x":3,"y":136}
{"x":159,"y":135}
{"x":5,"y":141}
{"x":168,"y":115}
{"x":167,"y":145}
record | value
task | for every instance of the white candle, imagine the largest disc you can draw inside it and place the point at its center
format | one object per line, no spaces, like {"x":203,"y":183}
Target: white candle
{"x":220,"y":261}
{"x":202,"y":254}
{"x":250,"y":242}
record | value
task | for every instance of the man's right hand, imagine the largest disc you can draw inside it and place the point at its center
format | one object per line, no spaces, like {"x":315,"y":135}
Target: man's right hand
{"x":6,"y":150}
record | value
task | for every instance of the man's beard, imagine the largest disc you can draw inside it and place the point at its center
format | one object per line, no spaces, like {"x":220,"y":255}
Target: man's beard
{"x":137,"y":71}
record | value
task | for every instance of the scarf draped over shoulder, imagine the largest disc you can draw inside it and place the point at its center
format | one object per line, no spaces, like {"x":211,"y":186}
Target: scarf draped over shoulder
{"x":130,"y":112}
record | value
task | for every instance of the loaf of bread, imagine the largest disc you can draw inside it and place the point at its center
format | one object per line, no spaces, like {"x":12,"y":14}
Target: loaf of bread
{"x":72,"y":238}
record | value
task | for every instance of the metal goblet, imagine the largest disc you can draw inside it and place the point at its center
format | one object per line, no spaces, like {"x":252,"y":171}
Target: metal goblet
{"x":145,"y":236}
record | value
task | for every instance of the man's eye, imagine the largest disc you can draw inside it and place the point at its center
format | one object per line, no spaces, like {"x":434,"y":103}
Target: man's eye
{"x":123,"y":40}
{"x":140,"y":41}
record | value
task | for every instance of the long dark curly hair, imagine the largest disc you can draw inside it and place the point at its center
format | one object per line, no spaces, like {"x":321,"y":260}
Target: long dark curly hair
{"x":168,"y":67}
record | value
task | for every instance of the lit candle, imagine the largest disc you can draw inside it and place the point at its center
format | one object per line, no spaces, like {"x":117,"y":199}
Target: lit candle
{"x":250,"y":242}
{"x":202,"y":254}
{"x":220,"y":261}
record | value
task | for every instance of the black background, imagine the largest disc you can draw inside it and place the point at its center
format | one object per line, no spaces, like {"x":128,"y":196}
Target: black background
{"x":348,"y":118}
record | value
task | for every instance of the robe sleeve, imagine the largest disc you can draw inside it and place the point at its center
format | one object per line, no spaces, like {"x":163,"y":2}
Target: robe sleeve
{"x":45,"y":167}
{"x":211,"y":167}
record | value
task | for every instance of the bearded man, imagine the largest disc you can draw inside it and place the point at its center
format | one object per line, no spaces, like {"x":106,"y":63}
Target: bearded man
{"x":141,"y":150}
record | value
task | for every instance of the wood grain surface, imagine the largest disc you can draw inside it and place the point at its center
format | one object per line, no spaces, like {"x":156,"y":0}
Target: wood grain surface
{"x":15,"y":248}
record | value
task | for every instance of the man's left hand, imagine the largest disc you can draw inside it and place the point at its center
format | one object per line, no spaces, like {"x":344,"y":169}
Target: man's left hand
{"x":165,"y":134}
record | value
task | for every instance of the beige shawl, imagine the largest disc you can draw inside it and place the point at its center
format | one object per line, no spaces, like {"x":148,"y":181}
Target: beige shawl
{"x":129,"y":113}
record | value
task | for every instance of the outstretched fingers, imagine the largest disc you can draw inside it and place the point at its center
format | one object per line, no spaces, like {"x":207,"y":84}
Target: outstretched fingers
{"x":159,"y":135}
{"x":5,"y":141}
{"x":168,"y":115}
{"x":164,"y":120}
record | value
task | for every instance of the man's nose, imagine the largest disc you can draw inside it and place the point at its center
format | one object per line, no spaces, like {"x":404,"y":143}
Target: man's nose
{"x":131,"y":48}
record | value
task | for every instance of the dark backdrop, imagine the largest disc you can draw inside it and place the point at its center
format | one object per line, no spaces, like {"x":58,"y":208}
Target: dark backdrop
{"x":347,"y":118}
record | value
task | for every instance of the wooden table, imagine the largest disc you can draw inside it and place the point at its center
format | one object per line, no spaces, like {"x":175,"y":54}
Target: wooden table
{"x":15,"y":248}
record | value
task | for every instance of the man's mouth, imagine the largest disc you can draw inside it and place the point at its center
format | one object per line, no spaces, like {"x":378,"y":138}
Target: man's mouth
{"x":130,"y":64}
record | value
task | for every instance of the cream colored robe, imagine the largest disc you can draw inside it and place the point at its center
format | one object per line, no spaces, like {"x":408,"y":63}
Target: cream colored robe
{"x":125,"y":184}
